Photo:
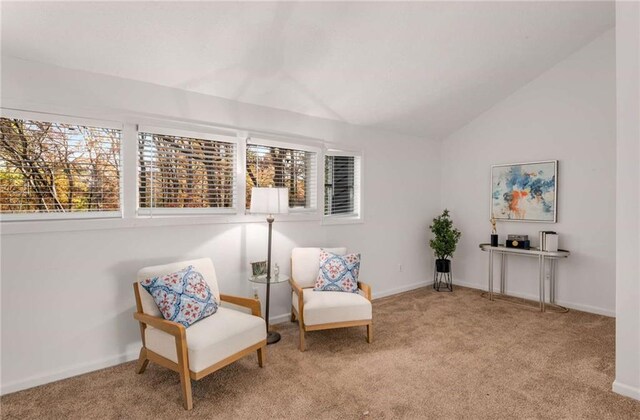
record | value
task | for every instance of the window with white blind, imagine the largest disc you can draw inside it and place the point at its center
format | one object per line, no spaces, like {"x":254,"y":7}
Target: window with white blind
{"x":341,"y":185}
{"x":52,"y":167}
{"x":182,"y":172}
{"x":277,"y":165}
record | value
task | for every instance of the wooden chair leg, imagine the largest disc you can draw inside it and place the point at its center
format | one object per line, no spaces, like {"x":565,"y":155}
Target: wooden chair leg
{"x":262,"y":356}
{"x":183,"y":366}
{"x":369,"y":333}
{"x":142,"y":361}
{"x":293,"y":315}
{"x":301,"y":336}
{"x":185,"y":383}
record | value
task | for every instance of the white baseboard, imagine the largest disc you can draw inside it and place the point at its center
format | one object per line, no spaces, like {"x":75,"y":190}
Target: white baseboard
{"x":68,"y":372}
{"x":401,"y":289}
{"x":36,"y":380}
{"x":626,"y":390}
{"x":571,"y":305}
{"x":278,"y":319}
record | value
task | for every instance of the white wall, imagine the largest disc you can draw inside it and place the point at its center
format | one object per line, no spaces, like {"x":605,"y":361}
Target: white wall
{"x":77,"y":283}
{"x":567,"y":113}
{"x":627,"y":212}
{"x":67,"y":298}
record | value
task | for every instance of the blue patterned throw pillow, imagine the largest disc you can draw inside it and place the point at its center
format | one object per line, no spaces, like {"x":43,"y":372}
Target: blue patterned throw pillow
{"x":338,"y":273}
{"x":183,"y":296}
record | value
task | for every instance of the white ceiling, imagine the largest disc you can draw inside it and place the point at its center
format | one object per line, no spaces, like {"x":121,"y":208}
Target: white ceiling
{"x":418,"y":68}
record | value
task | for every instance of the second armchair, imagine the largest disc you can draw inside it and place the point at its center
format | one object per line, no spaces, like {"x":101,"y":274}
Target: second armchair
{"x":321,"y":310}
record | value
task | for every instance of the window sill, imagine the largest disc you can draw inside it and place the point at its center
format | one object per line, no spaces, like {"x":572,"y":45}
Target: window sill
{"x":44,"y":226}
{"x":342,"y":220}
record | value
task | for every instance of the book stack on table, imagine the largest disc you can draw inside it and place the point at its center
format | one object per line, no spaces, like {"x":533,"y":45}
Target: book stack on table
{"x":548,"y":240}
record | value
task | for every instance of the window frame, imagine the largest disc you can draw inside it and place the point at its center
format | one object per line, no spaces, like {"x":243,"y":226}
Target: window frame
{"x":358,"y":187}
{"x":293,"y":144}
{"x":129,"y":122}
{"x":150,"y":212}
{"x":65,"y":119}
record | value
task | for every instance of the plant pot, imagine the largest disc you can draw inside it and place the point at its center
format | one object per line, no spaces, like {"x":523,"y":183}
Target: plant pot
{"x":443,"y":266}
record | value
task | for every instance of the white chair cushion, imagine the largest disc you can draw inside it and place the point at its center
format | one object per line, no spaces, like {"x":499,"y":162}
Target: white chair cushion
{"x":212,"y":339}
{"x":203,"y":265}
{"x":327,"y":307}
{"x":305,"y":264}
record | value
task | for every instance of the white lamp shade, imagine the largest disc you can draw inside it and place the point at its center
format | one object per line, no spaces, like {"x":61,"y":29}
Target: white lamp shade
{"x":269,"y":200}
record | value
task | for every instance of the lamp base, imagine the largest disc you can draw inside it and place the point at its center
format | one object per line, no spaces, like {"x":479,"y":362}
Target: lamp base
{"x":273,"y":337}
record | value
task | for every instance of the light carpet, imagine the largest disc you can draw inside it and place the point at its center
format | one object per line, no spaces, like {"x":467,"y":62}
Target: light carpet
{"x":434,"y":355}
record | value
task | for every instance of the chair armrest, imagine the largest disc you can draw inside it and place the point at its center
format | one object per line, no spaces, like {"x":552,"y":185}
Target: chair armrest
{"x":366,"y":289}
{"x":253,"y":304}
{"x":296,"y":288}
{"x":298,"y":291}
{"x":170,"y":327}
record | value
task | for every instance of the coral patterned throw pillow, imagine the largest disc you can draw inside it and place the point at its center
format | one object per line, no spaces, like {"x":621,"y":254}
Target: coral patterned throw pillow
{"x":338,"y":273}
{"x":183,"y":296}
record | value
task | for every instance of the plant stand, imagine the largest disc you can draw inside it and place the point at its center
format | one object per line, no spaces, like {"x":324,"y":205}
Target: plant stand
{"x":442,"y":279}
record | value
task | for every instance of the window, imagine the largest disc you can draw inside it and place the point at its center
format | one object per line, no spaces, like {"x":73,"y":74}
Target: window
{"x":184,"y":172}
{"x":55,"y":169}
{"x":275,"y":166}
{"x":67,"y":168}
{"x":341,"y":185}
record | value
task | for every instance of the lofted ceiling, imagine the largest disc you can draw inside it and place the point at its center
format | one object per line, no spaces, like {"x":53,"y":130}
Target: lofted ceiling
{"x":419,"y":68}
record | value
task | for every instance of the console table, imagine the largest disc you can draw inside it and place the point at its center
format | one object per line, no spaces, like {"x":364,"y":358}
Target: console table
{"x":543,"y":256}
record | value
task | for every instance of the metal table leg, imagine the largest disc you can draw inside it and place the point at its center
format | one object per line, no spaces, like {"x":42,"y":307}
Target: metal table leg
{"x":491,"y":275}
{"x":552,"y":279}
{"x":541,"y":278}
{"x":503,"y":264}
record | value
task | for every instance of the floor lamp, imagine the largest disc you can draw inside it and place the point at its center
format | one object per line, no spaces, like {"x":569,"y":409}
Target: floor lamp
{"x":269,"y":201}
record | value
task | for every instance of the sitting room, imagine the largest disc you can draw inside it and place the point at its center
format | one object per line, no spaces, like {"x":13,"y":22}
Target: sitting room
{"x":304,"y":210}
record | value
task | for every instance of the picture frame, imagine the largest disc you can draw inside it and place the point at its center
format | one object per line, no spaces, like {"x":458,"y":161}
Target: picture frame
{"x":259,"y":268}
{"x":525,"y":192}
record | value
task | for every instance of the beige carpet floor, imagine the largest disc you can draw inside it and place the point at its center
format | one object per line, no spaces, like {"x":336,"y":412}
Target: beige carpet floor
{"x":434,"y":355}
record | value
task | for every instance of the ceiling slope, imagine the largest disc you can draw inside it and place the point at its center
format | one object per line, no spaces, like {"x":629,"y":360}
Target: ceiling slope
{"x":423,"y":69}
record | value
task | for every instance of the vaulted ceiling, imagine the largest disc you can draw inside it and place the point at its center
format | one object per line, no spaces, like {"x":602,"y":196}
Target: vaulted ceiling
{"x":419,"y":68}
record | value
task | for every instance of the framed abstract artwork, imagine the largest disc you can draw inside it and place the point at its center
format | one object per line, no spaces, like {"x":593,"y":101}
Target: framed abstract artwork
{"x":525,"y":192}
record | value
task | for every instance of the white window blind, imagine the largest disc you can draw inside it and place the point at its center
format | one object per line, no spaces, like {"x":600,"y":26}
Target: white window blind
{"x":291,"y":168}
{"x":52,"y":169}
{"x":341,"y":185}
{"x":190,"y":173}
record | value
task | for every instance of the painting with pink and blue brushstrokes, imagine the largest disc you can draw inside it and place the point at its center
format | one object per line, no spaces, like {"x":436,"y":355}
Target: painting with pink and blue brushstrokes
{"x":524,"y":191}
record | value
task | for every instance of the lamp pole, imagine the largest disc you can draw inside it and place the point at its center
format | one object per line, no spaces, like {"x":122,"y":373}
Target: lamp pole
{"x":269,"y":201}
{"x":272,"y":337}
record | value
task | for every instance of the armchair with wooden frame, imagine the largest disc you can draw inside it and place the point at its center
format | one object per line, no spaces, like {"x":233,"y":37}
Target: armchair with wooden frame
{"x":207,"y":345}
{"x":319,"y":310}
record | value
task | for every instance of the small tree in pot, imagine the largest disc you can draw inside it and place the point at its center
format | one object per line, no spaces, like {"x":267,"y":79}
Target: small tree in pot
{"x":446,"y":237}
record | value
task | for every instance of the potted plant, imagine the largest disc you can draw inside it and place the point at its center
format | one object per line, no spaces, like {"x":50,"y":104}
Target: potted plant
{"x":446,"y":237}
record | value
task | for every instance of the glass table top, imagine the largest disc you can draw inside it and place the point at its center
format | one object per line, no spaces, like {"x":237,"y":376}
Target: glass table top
{"x":281,"y":278}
